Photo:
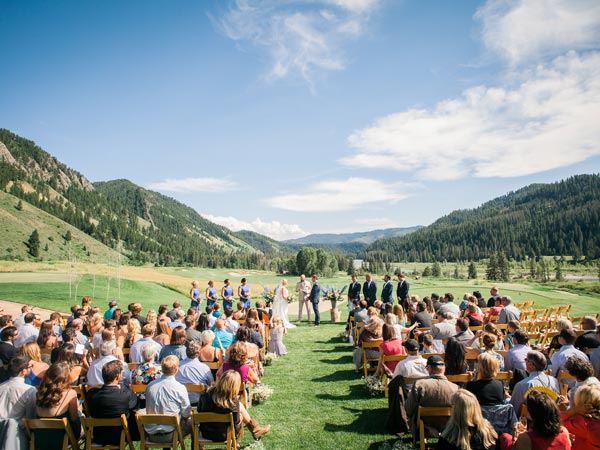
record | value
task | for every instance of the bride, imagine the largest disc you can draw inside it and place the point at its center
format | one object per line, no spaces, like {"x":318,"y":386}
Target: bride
{"x":280,"y":304}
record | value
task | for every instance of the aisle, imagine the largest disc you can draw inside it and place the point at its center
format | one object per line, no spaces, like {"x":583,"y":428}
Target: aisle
{"x":318,"y":401}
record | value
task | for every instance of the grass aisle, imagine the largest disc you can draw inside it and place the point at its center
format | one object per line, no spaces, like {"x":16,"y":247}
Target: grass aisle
{"x":319,"y":402}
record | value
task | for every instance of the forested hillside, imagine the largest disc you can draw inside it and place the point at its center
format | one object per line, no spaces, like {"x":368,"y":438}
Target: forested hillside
{"x":544,"y":219}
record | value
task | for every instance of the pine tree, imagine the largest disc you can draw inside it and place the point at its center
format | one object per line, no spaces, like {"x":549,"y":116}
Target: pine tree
{"x":559,"y":275}
{"x":68,"y":236}
{"x":46,"y":247}
{"x":491,"y":272}
{"x":503,"y":267}
{"x":472,"y":271}
{"x":437,"y":270}
{"x":427,"y":271}
{"x":34,"y":244}
{"x":456,"y":272}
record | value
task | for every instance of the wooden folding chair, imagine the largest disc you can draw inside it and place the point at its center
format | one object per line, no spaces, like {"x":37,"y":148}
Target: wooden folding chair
{"x":133,"y":365}
{"x":366,"y":360}
{"x":159,"y":419}
{"x":138,"y":388}
{"x":89,"y":423}
{"x":69,"y":439}
{"x":360,"y":326}
{"x":429,"y":411}
{"x":460,"y":378}
{"x":389,"y":358}
{"x":200,"y":442}
{"x":563,"y":378}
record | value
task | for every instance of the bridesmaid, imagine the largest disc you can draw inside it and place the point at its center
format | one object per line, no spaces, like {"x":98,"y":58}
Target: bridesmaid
{"x":211,"y":293}
{"x":195,"y":295}
{"x":227,"y":294}
{"x":244,"y":293}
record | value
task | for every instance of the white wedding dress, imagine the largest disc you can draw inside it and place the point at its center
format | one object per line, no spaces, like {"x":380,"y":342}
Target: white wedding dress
{"x":280,"y":306}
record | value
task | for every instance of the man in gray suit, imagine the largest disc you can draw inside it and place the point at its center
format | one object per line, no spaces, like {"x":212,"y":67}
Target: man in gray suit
{"x":315,"y":298}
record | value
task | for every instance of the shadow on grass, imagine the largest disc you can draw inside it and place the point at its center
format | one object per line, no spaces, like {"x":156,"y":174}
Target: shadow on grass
{"x":355,"y":392}
{"x":337,"y":349}
{"x":376,"y":445}
{"x":364,"y":422}
{"x":346,"y":359}
{"x":340,"y":375}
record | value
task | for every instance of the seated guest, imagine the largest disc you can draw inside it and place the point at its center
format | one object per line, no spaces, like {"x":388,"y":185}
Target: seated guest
{"x":168,"y":396}
{"x":466,"y":428}
{"x":489,"y":343}
{"x":561,"y":324}
{"x":223,"y":338}
{"x":38,"y":368}
{"x":360,"y":314}
{"x":28,"y":332}
{"x":515,"y":357}
{"x":463,"y":334}
{"x":535,"y":363}
{"x":192,"y":371}
{"x":445,"y":328}
{"x":177,"y":345}
{"x":582,"y":419}
{"x":435,"y":390}
{"x":47,"y":340}
{"x":255,"y":334}
{"x":208,"y":353}
{"x":7,"y":349}
{"x":475,"y":318}
{"x":163,"y":333}
{"x":372,"y":332}
{"x":148,"y":371}
{"x":17,"y":399}
{"x":509,"y":312}
{"x":108,"y":351}
{"x":67,"y":354}
{"x":566,"y":338}
{"x":55,"y":400}
{"x":595,"y":356}
{"x":583,"y":372}
{"x":428,"y":344}
{"x":223,"y":399}
{"x":487,"y":390}
{"x":148,"y":331}
{"x":494,"y":310}
{"x":192,"y":334}
{"x":511,"y":328}
{"x":244,"y":334}
{"x":231,"y":324}
{"x":414,"y":365}
{"x":454,"y":357}
{"x":588,"y":338}
{"x":238,"y":361}
{"x":240,"y":313}
{"x":545,"y":431}
{"x":391,"y":345}
{"x":112,"y":400}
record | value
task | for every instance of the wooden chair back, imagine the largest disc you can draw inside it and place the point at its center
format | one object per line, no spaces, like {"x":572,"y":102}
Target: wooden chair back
{"x":429,"y":411}
{"x":69,"y":439}
{"x":138,"y":388}
{"x":133,"y":365}
{"x":563,"y":378}
{"x":194,"y":387}
{"x":200,"y":442}
{"x":366,"y":359}
{"x":460,"y":378}
{"x":89,"y":423}
{"x":159,"y":419}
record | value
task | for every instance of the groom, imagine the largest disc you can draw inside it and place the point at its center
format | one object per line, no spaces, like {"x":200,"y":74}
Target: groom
{"x":315,"y":297}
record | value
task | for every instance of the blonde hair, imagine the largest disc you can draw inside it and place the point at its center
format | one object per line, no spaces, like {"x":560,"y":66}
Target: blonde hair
{"x":227,"y":389}
{"x":276,"y":321}
{"x":488,"y":365}
{"x":152,"y":318}
{"x":415,"y":298}
{"x":32,"y":350}
{"x":372,"y":311}
{"x":564,"y":324}
{"x":466,"y":416}
{"x":589,"y":395}
{"x":398,"y":312}
{"x":390,"y":319}
{"x":169,"y":365}
{"x":207,"y":337}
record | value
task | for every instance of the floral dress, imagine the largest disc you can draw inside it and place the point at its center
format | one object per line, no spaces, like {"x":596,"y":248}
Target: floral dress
{"x":146,"y":373}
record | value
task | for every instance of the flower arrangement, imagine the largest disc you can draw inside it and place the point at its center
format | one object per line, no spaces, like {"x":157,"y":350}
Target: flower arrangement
{"x":292,"y":297}
{"x":254,"y":445}
{"x":268,"y":294}
{"x":333,"y":294}
{"x":397,"y":445}
{"x":374,"y":385}
{"x":260,"y":393}
{"x":269,"y":357}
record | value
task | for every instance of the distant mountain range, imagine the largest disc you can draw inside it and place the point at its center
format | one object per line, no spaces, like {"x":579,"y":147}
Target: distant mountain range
{"x":118,"y":219}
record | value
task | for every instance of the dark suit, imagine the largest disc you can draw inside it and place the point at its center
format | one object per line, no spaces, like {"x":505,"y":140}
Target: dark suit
{"x":370,"y":292}
{"x":7,"y":352}
{"x":109,"y":402}
{"x":315,"y":298}
{"x":387,"y":292}
{"x":354,"y":291}
{"x":402,"y":294}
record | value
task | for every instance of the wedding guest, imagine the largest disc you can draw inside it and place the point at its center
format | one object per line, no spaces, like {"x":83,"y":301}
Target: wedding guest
{"x":176,"y":346}
{"x":582,"y":419}
{"x":38,"y":367}
{"x":238,"y":361}
{"x":17,"y":399}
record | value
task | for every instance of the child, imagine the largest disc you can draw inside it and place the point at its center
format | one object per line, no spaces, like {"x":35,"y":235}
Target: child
{"x":276,"y":342}
{"x":428,"y":346}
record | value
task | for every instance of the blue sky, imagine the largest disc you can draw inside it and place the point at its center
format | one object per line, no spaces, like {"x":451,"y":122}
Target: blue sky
{"x":295,"y":117}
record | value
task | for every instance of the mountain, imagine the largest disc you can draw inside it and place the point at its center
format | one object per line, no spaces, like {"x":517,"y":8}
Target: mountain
{"x":143,"y":225}
{"x":540,"y":219}
{"x":263,"y":243}
{"x":363,"y":237}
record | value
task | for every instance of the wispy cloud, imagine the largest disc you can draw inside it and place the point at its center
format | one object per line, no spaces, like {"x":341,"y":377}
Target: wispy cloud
{"x":341,"y":195}
{"x":542,"y":117}
{"x":185,"y":185}
{"x":523,"y":31}
{"x":300,"y":37}
{"x":276,"y":230}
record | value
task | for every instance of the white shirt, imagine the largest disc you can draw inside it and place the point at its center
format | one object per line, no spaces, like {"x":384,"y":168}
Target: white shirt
{"x":27,"y":333}
{"x":413,"y":366}
{"x":559,"y":359}
{"x":17,"y":399}
{"x":94,"y":374}
{"x":231,"y":325}
{"x":166,"y":396}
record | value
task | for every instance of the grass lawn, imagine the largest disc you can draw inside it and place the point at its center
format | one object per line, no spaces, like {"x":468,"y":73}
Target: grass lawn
{"x":319,"y":401}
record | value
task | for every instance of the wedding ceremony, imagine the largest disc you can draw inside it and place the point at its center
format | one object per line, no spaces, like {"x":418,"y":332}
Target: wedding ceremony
{"x":292,"y":224}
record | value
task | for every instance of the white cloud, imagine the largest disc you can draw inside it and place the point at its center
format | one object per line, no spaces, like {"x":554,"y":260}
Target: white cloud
{"x":194,"y":185}
{"x":300,"y":37}
{"x":547,"y":119}
{"x":276,"y":230}
{"x":524,"y":30}
{"x":341,"y":195}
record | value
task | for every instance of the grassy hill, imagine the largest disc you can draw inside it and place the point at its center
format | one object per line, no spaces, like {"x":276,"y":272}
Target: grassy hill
{"x":16,"y":227}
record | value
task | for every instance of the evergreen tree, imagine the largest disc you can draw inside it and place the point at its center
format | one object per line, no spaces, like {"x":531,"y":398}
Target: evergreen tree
{"x":68,"y":236}
{"x":558,"y":271}
{"x":351,"y":270}
{"x":491,"y":271}
{"x":46,"y":247}
{"x":472,"y":271}
{"x":426,"y":271}
{"x":437,"y":270}
{"x":34,"y":243}
{"x":456,"y":272}
{"x":532,"y":266}
{"x":503,"y":267}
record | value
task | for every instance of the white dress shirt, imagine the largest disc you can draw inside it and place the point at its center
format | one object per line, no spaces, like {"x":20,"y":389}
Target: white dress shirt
{"x":94,"y":374}
{"x":17,"y":399}
{"x":166,"y":396}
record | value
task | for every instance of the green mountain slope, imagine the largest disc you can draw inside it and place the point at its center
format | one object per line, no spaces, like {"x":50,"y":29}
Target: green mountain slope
{"x":542,"y":219}
{"x":363,"y":237}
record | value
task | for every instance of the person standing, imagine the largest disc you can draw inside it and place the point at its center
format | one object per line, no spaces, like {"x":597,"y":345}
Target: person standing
{"x":303,"y":290}
{"x":244,"y":293}
{"x":315,"y":298}
{"x":280,"y":304}
{"x":402,"y":291}
{"x":210,"y":293}
{"x":227,"y":294}
{"x":387,"y":291}
{"x":369,"y":290}
{"x":353,"y":291}
{"x":195,"y":295}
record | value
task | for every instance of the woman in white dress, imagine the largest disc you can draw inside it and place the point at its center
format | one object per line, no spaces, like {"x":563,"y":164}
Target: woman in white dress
{"x":280,"y":304}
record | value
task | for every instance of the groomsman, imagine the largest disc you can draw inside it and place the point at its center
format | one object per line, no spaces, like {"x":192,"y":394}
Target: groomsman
{"x":369,"y":290}
{"x":402,"y":292}
{"x":387,"y":291}
{"x":353,"y":290}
